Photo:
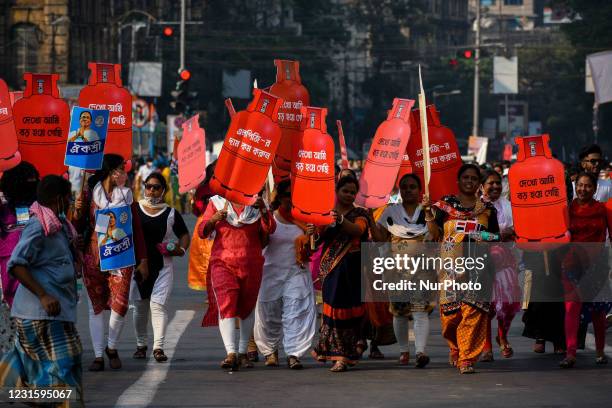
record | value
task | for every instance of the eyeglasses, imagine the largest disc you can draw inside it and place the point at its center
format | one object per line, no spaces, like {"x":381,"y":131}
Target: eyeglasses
{"x":594,"y":162}
{"x":154,"y":187}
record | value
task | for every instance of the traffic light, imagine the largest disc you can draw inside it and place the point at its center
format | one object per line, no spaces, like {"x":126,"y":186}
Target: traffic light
{"x":453,"y":63}
{"x":183,"y":100}
{"x":467,"y":54}
{"x":168,"y":31}
{"x":185,"y":75}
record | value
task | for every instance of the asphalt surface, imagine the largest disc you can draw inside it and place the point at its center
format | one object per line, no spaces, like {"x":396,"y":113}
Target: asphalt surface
{"x":192,"y":377}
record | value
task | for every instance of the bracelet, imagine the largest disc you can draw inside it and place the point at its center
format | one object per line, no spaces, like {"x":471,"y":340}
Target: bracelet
{"x":430,"y":219}
{"x":182,"y":249}
{"x":340,"y":220}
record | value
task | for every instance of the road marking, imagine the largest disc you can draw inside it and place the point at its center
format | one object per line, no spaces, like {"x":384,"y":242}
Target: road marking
{"x":142,"y":392}
{"x":590,"y":344}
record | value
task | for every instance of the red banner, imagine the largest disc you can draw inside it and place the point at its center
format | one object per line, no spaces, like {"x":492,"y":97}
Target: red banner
{"x":191,"y":155}
{"x":343,"y":152}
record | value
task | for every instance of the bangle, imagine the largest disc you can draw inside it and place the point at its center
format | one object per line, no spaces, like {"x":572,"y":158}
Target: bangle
{"x":340,"y":220}
{"x":427,"y":219}
{"x":182,"y":249}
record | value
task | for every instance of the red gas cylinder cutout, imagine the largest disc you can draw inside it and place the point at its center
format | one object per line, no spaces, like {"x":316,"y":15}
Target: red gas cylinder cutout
{"x":288,"y":86}
{"x":105,"y":91}
{"x":248,"y":150}
{"x":9,"y":155}
{"x":444,"y":157}
{"x":537,"y":192}
{"x":41,"y":121}
{"x":312,"y":172}
{"x":385,"y":156}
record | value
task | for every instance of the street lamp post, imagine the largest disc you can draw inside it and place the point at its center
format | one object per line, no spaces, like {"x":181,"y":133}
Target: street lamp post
{"x":476,"y":72}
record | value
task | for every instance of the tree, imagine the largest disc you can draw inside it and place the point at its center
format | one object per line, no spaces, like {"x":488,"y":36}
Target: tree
{"x":247,"y":34}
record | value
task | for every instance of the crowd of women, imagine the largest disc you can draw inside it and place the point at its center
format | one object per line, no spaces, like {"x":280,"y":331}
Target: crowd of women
{"x":269,"y":276}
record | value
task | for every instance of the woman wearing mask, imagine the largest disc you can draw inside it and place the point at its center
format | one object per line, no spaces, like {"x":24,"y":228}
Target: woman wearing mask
{"x":506,"y":291}
{"x":285,"y":305}
{"x":340,"y":335}
{"x":404,"y":224}
{"x":108,"y":289}
{"x":160,"y":225}
{"x":235,"y":270}
{"x":464,"y":218}
{"x":48,"y":350}
{"x":18,"y":185}
{"x":585,"y":269}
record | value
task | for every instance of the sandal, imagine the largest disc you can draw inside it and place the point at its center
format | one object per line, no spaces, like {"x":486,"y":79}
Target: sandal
{"x":452,"y":358}
{"x":404,"y":358}
{"x":422,"y":360}
{"x":294,"y":363}
{"x":141,"y":353}
{"x":231,"y":362}
{"x":601,"y":360}
{"x":467,"y":368}
{"x":253,"y":356}
{"x":113,"y":359}
{"x":159,"y":355}
{"x":243,"y":361}
{"x":271,"y":360}
{"x":339,"y":367}
{"x":539,"y":346}
{"x":506,"y":351}
{"x":567,"y":362}
{"x":487,"y":356}
{"x":97,"y":364}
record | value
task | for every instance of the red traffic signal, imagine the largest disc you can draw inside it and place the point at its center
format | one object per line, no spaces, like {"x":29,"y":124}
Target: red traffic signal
{"x":168,"y":31}
{"x":467,"y":54}
{"x":185,"y":75}
{"x":453,"y":62}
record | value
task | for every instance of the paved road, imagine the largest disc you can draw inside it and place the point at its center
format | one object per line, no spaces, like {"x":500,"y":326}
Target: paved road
{"x":192,"y":377}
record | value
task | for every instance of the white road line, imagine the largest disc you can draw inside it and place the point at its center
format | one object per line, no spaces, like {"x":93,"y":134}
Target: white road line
{"x":142,"y":392}
{"x":590,"y":344}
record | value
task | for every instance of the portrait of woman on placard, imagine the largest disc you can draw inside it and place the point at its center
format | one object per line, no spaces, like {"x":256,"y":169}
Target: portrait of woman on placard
{"x":84,"y":133}
{"x":113,"y":233}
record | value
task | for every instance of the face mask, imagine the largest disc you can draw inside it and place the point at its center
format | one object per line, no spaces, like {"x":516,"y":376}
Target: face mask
{"x":154,"y":200}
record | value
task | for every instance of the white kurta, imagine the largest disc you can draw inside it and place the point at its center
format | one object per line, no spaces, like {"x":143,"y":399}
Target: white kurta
{"x":286,"y":305}
{"x":163,"y":284}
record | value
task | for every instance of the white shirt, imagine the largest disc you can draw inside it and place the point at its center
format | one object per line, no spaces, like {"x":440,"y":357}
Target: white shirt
{"x":282,"y":276}
{"x":75,"y":175}
{"x":504,"y":213}
{"x":145,"y":171}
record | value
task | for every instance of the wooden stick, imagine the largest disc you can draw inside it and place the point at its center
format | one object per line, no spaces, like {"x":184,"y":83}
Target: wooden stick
{"x":83,"y":178}
{"x":230,"y":107}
